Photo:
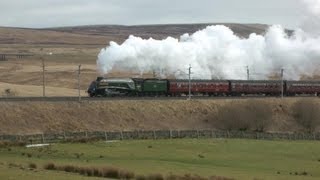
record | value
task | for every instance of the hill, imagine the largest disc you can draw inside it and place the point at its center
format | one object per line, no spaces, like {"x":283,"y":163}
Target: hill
{"x":101,"y":34}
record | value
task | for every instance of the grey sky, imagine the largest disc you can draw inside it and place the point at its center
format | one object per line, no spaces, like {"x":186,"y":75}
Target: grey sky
{"x":50,"y":13}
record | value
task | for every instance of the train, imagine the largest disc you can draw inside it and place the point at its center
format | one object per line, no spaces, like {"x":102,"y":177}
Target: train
{"x":110,"y":87}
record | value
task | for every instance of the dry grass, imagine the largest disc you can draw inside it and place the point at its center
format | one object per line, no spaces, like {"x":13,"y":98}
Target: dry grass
{"x":32,"y":166}
{"x":34,"y":36}
{"x":253,"y":115}
{"x":306,"y":112}
{"x":116,"y":173}
{"x":34,"y":90}
{"x":8,"y":144}
{"x":48,"y":117}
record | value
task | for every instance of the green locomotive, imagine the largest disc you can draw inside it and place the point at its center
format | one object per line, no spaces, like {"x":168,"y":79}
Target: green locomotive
{"x":103,"y":87}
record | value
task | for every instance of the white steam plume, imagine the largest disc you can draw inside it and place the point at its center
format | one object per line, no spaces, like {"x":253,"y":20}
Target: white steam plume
{"x":311,"y":19}
{"x":216,"y":52}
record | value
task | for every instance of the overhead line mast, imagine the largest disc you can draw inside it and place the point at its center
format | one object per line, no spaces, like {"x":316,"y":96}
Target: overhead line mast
{"x":189,"y":81}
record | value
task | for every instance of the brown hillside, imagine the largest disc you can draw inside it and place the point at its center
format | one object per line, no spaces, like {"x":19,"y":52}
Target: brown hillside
{"x":101,"y":35}
{"x":46,"y":37}
{"x":39,"y":117}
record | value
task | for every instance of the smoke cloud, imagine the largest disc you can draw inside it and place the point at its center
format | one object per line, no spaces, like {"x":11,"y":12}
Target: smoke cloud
{"x":217,"y":53}
{"x":311,"y":19}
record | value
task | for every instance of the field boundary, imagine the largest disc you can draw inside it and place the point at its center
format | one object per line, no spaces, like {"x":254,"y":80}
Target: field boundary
{"x":156,"y":134}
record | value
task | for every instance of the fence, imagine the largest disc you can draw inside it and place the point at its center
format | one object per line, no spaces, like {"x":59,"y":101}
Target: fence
{"x":159,"y":134}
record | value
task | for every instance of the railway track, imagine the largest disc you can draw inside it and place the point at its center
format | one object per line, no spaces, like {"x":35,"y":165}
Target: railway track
{"x":76,"y":99}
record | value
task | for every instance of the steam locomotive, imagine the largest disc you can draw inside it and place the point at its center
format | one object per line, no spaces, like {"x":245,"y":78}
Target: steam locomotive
{"x":103,"y":87}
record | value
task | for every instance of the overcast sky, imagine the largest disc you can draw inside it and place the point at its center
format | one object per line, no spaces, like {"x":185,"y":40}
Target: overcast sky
{"x":51,"y":13}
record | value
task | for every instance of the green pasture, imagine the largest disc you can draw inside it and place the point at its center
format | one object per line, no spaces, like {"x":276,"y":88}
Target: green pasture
{"x":234,"y":158}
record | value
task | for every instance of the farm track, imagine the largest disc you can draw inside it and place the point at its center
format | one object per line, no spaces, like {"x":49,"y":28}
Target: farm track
{"x":75,"y":98}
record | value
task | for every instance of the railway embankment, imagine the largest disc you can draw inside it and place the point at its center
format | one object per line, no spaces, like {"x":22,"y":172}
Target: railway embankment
{"x":262,"y":115}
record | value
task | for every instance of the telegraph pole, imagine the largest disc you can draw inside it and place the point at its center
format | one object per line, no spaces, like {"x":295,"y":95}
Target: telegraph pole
{"x":189,"y":81}
{"x":281,"y":82}
{"x":79,"y":69}
{"x":43,"y":78}
{"x":248,"y":73}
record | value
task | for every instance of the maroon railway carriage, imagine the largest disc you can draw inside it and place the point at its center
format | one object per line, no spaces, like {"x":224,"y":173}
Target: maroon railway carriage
{"x":178,"y":87}
{"x":239,"y":87}
{"x":302,"y":87}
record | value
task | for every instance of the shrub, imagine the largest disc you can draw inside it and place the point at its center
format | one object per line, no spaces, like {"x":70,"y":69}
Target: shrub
{"x":68,"y":168}
{"x":249,"y":115}
{"x":220,"y":178}
{"x":110,"y":172}
{"x":126,"y":174}
{"x":81,"y":170}
{"x":32,"y":166}
{"x":89,"y":171}
{"x":141,"y":177}
{"x":155,"y":177}
{"x":9,"y":93}
{"x":49,"y":166}
{"x":306,"y":113}
{"x":4,"y":144}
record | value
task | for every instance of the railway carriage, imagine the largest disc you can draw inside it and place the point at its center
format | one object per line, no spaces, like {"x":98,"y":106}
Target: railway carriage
{"x":178,"y":87}
{"x":302,"y":87}
{"x":239,"y":87}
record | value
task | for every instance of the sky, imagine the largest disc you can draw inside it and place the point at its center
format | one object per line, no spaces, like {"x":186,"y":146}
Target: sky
{"x":53,"y":13}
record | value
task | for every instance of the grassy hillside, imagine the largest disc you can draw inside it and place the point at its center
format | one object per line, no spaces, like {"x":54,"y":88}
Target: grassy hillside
{"x":239,"y":159}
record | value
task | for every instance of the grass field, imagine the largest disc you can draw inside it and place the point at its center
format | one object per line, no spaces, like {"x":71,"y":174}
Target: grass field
{"x":239,"y":159}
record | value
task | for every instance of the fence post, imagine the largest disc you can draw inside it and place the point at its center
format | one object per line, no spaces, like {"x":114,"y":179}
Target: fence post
{"x":198,"y":134}
{"x":154,"y":134}
{"x":86,"y":134}
{"x":42,"y":138}
{"x":138,"y":134}
{"x":64,"y":135}
{"x":121,"y":134}
{"x":170,"y":134}
{"x":178,"y":133}
{"x":106,"y":135}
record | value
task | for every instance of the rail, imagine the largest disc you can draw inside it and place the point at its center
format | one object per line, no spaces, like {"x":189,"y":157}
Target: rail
{"x":76,"y":98}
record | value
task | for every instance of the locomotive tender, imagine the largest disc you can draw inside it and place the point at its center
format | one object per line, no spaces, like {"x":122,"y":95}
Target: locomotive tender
{"x":178,"y":87}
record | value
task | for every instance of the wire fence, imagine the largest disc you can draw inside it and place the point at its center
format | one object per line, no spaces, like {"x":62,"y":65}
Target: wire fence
{"x":158,"y":134}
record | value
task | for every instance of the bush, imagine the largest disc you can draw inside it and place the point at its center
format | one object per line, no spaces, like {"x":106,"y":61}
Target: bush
{"x":252,"y":115}
{"x":141,"y":177}
{"x":96,"y":172}
{"x":9,"y":93}
{"x":111,"y":173}
{"x":155,"y":177}
{"x":114,"y":173}
{"x":32,"y":166}
{"x":68,"y":168}
{"x":306,"y":113}
{"x":126,"y":174}
{"x":49,"y":166}
{"x":4,"y":144}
